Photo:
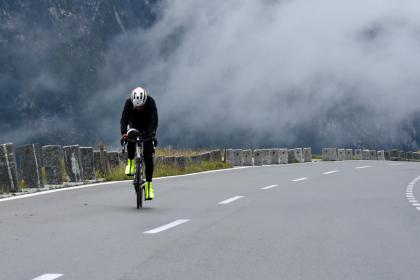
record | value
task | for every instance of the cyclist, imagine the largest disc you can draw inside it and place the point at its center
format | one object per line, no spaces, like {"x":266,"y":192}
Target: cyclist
{"x":140,"y":112}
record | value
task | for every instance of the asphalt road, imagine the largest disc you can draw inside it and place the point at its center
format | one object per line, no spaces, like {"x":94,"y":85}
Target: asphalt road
{"x":327,"y":220}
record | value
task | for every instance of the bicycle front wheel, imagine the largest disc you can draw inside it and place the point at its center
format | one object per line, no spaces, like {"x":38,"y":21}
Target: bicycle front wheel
{"x":139,"y":197}
{"x":139,"y":189}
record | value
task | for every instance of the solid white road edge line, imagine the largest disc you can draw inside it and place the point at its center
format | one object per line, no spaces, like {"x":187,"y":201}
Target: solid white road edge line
{"x":232,"y":199}
{"x":167,"y":226}
{"x":48,"y":276}
{"x":269,"y":187}
{"x":300,"y":179}
{"x":330,"y":172}
{"x":116,"y":182}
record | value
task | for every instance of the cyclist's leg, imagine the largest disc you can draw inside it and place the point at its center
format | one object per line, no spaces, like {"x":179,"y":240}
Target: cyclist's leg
{"x":148,"y":153}
{"x":131,"y":151}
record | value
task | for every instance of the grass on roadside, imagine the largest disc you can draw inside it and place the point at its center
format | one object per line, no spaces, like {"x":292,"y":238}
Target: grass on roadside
{"x":169,"y":152}
{"x":316,"y":156}
{"x":114,"y":174}
{"x":117,"y":174}
{"x":167,"y":170}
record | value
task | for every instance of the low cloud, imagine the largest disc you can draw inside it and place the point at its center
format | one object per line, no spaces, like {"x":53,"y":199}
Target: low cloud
{"x":265,"y":73}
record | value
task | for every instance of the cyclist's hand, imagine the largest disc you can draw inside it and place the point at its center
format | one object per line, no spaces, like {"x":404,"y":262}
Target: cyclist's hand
{"x":123,"y":139}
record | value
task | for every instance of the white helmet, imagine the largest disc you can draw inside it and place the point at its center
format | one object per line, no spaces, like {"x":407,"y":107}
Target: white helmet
{"x":138,"y":97}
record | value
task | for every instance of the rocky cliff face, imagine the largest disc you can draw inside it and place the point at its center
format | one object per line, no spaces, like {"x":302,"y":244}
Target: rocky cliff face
{"x":50,"y":54}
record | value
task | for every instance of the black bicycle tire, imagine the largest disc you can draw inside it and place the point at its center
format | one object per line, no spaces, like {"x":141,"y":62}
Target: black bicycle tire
{"x":139,"y":189}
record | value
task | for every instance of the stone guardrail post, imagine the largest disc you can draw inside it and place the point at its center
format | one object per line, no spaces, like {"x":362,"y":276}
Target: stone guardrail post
{"x":86,"y":156}
{"x":299,"y":155}
{"x":333,"y":155}
{"x":30,"y":165}
{"x":341,"y":154}
{"x":228,"y":158}
{"x":181,"y":162}
{"x":157,"y":160}
{"x":373,"y":155}
{"x":329,"y":154}
{"x":124,"y":157}
{"x":307,"y":154}
{"x":170,"y":161}
{"x":284,"y":156}
{"x":8,"y":169}
{"x":381,"y":155}
{"x":258,"y":157}
{"x":409,"y":156}
{"x":266,"y":156}
{"x":366,"y":155}
{"x":206,"y":156}
{"x":388,"y":155}
{"x":237,"y":157}
{"x":325,"y":154}
{"x":292,"y":156}
{"x":196,"y":159}
{"x":103,"y":161}
{"x":395,"y":155}
{"x":216,"y":155}
{"x":52,"y":156}
{"x":96,"y":161}
{"x":349,"y":154}
{"x":402,"y":156}
{"x":73,"y":163}
{"x":274,"y":156}
{"x":113,"y":159}
{"x":247,"y":158}
{"x":358,"y":154}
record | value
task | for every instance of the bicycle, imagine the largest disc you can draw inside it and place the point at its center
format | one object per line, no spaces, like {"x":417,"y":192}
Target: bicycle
{"x":135,"y":136}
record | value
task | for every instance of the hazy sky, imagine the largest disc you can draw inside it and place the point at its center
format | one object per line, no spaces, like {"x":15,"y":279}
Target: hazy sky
{"x":246,"y":73}
{"x":249,"y":73}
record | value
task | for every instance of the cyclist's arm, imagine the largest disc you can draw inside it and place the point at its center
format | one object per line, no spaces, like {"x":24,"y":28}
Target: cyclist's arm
{"x":153,"y":119}
{"x":125,"y":116}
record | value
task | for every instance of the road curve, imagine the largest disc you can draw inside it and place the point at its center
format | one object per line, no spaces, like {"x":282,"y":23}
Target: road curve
{"x":326,"y":220}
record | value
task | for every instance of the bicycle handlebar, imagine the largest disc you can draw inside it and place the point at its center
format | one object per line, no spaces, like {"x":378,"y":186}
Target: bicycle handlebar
{"x":125,"y":141}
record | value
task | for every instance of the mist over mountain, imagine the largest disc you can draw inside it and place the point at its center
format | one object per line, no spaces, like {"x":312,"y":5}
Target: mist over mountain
{"x":51,"y":56}
{"x":237,"y":73}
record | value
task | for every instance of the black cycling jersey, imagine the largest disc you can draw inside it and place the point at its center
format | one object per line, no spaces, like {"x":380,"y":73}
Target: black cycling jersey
{"x":145,"y":121}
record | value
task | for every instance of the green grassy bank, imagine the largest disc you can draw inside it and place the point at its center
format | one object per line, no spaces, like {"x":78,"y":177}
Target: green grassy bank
{"x":161,"y":170}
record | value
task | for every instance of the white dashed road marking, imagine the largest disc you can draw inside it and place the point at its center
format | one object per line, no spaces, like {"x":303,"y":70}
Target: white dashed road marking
{"x":269,"y":187}
{"x":300,"y":179}
{"x":362,"y":167}
{"x":48,"y":276}
{"x":330,"y":172}
{"x":232,"y":199}
{"x":394,"y":164}
{"x":167,"y":226}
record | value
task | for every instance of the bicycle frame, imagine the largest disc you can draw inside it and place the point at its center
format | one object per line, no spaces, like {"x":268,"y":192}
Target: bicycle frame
{"x":138,"y":175}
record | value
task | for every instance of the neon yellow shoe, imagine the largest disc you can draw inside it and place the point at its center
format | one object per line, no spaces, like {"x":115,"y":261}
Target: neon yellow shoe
{"x":148,"y":191}
{"x":129,"y":169}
